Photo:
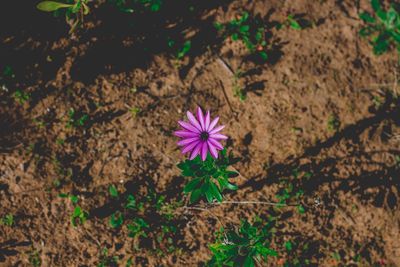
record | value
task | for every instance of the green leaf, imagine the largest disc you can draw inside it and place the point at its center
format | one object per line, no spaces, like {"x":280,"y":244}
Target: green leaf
{"x":301,"y":209}
{"x":116,"y":220}
{"x":244,"y":28}
{"x":288,"y":245}
{"x":50,"y":6}
{"x":263,"y":55}
{"x":235,"y":37}
{"x":376,"y":5}
{"x":192,"y":185}
{"x":113,"y":191}
{"x":195,"y":195}
{"x":365,"y":16}
{"x":249,"y":262}
{"x":74,"y":199}
{"x":215,"y":192}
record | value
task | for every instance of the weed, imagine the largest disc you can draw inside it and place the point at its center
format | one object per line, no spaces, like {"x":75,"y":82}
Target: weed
{"x":248,"y":30}
{"x":238,"y":90}
{"x":7,"y":220}
{"x":75,"y":120}
{"x":78,"y":216}
{"x":383,"y":27}
{"x":21,"y":97}
{"x":134,"y":111}
{"x":246,"y":246}
{"x":34,"y":258}
{"x":106,"y":260}
{"x":333,"y":123}
{"x":137,"y":6}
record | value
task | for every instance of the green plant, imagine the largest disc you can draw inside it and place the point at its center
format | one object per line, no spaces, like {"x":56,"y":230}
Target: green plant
{"x":106,"y":260}
{"x":210,"y":177}
{"x":248,"y":245}
{"x":333,"y":123}
{"x":250,"y":31}
{"x":238,"y":90}
{"x":78,"y":216}
{"x":75,"y":10}
{"x":75,"y":120}
{"x":383,"y":27}
{"x":34,"y":258}
{"x":137,"y":6}
{"x":8,"y":220}
{"x":21,"y":97}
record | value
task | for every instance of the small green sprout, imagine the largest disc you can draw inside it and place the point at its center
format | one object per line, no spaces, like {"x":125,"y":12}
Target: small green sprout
{"x":78,"y":216}
{"x":210,"y":177}
{"x":238,"y":89}
{"x":137,"y":6}
{"x":333,"y":123}
{"x":7,"y":220}
{"x":21,"y":97}
{"x":34,"y":258}
{"x":292,"y":22}
{"x":74,"y":120}
{"x":383,"y":27}
{"x":134,"y":111}
{"x":137,"y":228}
{"x":248,"y":245}
{"x":106,"y":260}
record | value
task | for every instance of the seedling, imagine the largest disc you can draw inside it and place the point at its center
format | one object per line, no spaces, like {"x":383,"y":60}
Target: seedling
{"x":333,"y":123}
{"x":7,"y":220}
{"x":75,"y":120}
{"x":248,"y":245}
{"x":137,"y":6}
{"x":134,"y":111}
{"x":75,"y":10}
{"x":106,"y":260}
{"x":238,"y":89}
{"x":34,"y":259}
{"x":248,"y":30}
{"x":21,"y":97}
{"x":383,"y":27}
{"x":79,"y":216}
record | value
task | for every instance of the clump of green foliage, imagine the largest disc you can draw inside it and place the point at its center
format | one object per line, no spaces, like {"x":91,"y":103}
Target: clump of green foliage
{"x":75,"y":10}
{"x":246,"y":246}
{"x":21,"y":97}
{"x":249,"y":30}
{"x":383,"y":27}
{"x":210,"y":177}
{"x":138,"y":215}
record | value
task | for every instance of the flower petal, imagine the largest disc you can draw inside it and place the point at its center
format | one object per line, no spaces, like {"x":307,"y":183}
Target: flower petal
{"x":193,"y":120}
{"x":212,"y":149}
{"x":204,"y":151}
{"x":185,"y":134}
{"x":188,"y":126}
{"x":215,"y":143}
{"x":195,"y":151}
{"x":189,"y":147}
{"x":207,"y":121}
{"x":216,"y":130}
{"x":212,"y":124}
{"x":218,"y":136}
{"x":187,"y":141}
{"x":200,"y":118}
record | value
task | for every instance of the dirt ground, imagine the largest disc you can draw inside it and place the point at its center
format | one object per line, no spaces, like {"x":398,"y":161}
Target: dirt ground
{"x":323,"y":105}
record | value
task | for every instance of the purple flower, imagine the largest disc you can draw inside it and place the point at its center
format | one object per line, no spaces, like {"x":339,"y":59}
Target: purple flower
{"x":199,"y":135}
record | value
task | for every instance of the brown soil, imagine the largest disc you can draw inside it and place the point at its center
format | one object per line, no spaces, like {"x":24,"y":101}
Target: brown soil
{"x":322,"y":72}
